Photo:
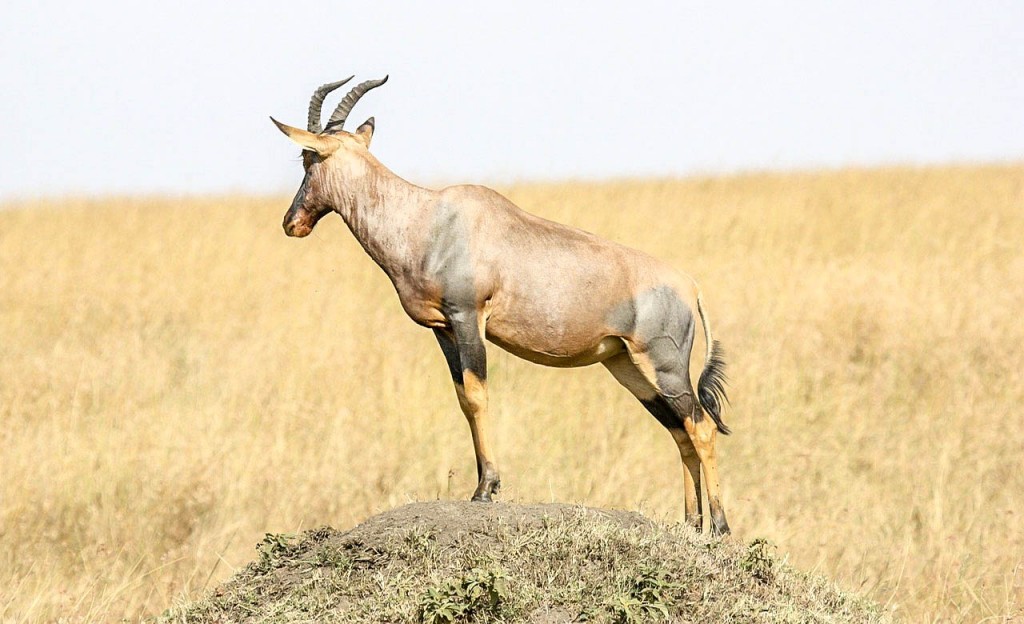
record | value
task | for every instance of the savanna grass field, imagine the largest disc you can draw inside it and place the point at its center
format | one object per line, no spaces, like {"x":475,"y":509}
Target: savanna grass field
{"x":178,"y":378}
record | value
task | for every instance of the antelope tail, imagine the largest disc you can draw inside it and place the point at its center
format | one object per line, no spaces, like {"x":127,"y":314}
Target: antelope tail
{"x":711,"y":385}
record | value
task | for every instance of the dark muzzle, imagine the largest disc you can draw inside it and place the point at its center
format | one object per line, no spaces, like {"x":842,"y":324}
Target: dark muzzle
{"x":299,"y":222}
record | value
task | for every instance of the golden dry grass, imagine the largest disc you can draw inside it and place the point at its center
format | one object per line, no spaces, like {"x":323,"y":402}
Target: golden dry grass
{"x":177,"y":378}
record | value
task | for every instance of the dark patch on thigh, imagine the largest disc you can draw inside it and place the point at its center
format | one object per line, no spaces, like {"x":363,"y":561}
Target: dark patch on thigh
{"x":660,"y":321}
{"x":685,"y":406}
{"x":671,"y":365}
{"x":654,"y":312}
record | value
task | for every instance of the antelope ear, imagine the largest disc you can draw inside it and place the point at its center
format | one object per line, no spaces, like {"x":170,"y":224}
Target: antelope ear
{"x":365,"y":131}
{"x":322,"y":144}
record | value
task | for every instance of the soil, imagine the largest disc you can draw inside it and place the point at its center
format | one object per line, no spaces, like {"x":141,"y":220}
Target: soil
{"x":477,"y":523}
{"x":449,"y":562}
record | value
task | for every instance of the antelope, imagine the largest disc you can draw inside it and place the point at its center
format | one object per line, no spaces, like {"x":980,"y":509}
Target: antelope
{"x":472,"y":266}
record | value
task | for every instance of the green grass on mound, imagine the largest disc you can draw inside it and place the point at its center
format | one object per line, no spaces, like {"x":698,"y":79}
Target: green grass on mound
{"x":446,"y":562}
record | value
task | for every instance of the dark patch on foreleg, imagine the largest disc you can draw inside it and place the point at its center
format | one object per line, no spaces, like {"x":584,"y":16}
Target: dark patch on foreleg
{"x":451,"y":355}
{"x":468,"y":338}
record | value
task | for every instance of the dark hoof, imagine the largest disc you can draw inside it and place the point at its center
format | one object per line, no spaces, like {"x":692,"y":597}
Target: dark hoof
{"x":719,"y":527}
{"x":696,"y":522}
{"x":485,"y":490}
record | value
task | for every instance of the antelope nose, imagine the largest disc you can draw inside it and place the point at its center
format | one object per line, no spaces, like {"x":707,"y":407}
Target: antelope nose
{"x":297,"y":229}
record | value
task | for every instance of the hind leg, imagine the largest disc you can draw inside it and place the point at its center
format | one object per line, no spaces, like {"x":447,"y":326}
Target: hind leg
{"x":702,"y":433}
{"x":691,"y":463}
{"x":627,"y":374}
{"x":665,"y":367}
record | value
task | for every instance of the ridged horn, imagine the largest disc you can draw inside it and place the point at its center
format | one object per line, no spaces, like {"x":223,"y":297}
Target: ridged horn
{"x":337,"y":120}
{"x":317,"y":102}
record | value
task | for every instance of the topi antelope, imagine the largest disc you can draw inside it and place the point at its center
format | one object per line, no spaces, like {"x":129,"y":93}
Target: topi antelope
{"x":469,"y":264}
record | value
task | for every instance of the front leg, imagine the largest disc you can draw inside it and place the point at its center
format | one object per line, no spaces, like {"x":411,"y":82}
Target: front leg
{"x":463,"y":348}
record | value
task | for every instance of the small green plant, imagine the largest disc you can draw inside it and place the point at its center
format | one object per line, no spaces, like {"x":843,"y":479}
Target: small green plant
{"x":419,"y":540}
{"x":759,"y":561}
{"x":272,"y":548}
{"x":332,"y":558}
{"x":479,"y":591}
{"x":646,"y":596}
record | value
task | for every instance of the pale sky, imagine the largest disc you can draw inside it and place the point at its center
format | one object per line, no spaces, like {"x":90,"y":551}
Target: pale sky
{"x":109,"y":97}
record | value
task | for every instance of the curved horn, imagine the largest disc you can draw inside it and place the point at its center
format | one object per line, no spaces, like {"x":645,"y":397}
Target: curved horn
{"x":317,"y":102}
{"x":340,"y":114}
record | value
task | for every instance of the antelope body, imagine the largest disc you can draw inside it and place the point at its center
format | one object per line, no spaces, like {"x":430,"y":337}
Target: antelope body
{"x":470,"y":265}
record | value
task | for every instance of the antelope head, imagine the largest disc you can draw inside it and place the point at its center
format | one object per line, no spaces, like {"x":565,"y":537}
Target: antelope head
{"x":325,"y":151}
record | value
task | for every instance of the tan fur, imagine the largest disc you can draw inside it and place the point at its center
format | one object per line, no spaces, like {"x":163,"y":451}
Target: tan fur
{"x":473,"y":401}
{"x":552,"y":310}
{"x":691,"y":480}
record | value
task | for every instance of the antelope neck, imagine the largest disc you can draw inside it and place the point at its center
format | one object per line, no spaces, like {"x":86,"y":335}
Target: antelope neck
{"x":385,"y":213}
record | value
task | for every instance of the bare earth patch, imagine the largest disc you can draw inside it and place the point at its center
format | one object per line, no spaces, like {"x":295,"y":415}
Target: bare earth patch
{"x":460,"y":561}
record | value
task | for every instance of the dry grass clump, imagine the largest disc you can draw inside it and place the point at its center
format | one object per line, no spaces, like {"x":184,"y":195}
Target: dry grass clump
{"x":178,"y":378}
{"x":443,"y":562}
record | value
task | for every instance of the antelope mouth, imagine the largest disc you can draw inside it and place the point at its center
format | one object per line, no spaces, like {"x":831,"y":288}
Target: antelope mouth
{"x":302,"y":225}
{"x":297,"y":230}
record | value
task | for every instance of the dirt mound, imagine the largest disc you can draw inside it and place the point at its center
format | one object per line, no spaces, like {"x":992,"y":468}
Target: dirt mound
{"x":460,"y":561}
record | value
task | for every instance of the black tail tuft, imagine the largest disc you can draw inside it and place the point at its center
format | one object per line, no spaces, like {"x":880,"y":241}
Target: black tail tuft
{"x":711,"y":386}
